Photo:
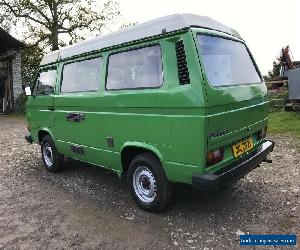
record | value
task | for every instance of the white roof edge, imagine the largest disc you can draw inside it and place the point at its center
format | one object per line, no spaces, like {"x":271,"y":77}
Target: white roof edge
{"x":147,"y":29}
{"x":50,"y":57}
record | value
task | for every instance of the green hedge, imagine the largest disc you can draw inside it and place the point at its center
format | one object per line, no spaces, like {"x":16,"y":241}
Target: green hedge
{"x":277,"y":100}
{"x":20,"y":102}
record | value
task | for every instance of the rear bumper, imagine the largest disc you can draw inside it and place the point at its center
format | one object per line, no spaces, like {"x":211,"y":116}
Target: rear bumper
{"x":232,"y":173}
{"x":29,"y":139}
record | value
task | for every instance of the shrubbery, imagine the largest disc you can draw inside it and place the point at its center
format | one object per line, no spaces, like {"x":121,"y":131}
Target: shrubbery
{"x":277,"y":99}
{"x":20,"y":103}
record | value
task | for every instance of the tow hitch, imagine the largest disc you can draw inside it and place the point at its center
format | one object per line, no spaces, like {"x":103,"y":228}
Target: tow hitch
{"x":267,"y":160}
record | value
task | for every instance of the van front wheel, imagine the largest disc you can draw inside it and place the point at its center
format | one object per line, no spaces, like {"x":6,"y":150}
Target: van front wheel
{"x":52,"y":159}
{"x":149,"y":186}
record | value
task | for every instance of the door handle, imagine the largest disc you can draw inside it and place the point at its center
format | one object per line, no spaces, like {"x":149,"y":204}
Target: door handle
{"x":51,"y":108}
{"x":75,"y":117}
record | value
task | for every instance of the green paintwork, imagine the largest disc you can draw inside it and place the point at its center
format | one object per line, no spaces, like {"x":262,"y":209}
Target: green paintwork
{"x":173,"y":121}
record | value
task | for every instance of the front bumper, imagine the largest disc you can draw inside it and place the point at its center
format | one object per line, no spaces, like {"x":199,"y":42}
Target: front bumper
{"x":235,"y":171}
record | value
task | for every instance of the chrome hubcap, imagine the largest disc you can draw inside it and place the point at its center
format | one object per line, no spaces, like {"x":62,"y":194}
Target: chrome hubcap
{"x":48,"y":155}
{"x":144,"y":184}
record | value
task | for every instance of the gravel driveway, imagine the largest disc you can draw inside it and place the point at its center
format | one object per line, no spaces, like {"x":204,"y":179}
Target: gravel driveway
{"x":86,"y":207}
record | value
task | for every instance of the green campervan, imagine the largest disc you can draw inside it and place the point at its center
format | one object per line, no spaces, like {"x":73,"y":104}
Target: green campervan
{"x":176,"y":99}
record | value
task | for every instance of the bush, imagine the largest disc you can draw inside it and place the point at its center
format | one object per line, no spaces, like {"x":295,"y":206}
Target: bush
{"x":20,"y":103}
{"x":277,"y":99}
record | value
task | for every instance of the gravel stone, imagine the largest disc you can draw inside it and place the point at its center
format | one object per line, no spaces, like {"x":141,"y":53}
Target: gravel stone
{"x":88,"y":207}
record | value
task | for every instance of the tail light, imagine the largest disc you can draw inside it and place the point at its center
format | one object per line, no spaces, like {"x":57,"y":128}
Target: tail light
{"x":214,"y":157}
{"x":262,"y":133}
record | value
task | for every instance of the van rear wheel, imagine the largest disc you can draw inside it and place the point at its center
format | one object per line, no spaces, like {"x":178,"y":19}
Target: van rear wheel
{"x":149,"y":185}
{"x":52,"y":159}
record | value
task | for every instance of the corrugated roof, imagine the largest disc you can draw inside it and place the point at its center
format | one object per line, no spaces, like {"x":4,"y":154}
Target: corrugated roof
{"x":144,"y":30}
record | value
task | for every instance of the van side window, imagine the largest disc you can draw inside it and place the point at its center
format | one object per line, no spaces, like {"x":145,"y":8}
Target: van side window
{"x":139,"y":68}
{"x":45,"y":83}
{"x":81,"y":76}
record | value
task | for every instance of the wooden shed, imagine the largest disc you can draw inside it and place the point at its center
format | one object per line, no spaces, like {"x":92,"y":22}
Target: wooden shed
{"x":10,"y":71}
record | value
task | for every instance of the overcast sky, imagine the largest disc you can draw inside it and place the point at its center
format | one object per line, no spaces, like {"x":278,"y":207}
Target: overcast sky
{"x":266,"y":25}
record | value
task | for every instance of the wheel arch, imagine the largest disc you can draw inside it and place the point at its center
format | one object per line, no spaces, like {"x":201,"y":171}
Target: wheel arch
{"x":132,"y":149}
{"x":42,"y":133}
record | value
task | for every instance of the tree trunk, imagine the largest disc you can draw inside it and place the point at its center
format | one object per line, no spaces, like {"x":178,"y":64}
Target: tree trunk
{"x":54,"y":38}
{"x":54,"y":33}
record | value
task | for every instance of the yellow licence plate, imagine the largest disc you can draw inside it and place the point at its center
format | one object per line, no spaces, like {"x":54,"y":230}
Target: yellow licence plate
{"x":242,"y":146}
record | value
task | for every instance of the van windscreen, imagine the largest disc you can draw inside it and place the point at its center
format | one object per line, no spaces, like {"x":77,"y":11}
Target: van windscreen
{"x":226,"y":62}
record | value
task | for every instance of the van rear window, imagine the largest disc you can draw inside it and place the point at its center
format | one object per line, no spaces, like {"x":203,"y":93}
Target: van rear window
{"x":226,"y":62}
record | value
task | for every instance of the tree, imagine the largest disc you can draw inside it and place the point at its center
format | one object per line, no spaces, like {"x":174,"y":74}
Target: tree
{"x":46,"y":25}
{"x":275,"y":72}
{"x":31,"y":57}
{"x":55,"y":23}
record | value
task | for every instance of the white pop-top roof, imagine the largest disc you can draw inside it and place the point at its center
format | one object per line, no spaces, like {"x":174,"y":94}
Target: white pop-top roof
{"x":144,"y":30}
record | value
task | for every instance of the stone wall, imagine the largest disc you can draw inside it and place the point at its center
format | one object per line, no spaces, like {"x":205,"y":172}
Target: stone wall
{"x":16,"y":72}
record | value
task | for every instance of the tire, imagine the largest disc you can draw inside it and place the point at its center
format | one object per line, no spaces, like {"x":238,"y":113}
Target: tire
{"x":148,"y":183}
{"x":52,"y":159}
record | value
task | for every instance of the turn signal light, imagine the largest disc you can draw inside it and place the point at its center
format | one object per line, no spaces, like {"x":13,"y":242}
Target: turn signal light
{"x":214,"y":157}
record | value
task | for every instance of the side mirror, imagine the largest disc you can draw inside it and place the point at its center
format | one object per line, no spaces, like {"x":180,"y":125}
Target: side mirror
{"x":28,"y":91}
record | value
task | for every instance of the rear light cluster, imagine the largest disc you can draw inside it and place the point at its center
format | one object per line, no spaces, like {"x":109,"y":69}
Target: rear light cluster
{"x":262,"y":133}
{"x":214,"y":157}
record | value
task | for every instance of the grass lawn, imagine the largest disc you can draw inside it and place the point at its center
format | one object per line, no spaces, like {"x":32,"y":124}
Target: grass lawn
{"x":284,"y":122}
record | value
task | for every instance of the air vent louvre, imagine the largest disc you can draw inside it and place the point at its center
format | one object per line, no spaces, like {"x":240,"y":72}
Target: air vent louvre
{"x":183,"y":71}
